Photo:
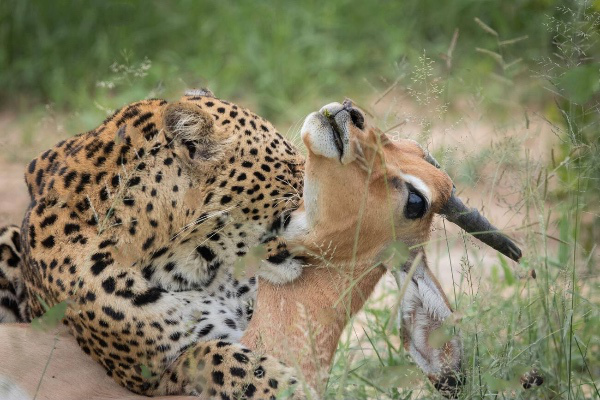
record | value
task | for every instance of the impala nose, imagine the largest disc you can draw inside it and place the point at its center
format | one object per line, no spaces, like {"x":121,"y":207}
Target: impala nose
{"x":357,"y":117}
{"x":340,"y":113}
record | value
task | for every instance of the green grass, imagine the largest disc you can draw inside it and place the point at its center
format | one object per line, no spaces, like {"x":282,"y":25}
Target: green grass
{"x":543,"y":314}
{"x":511,"y":322}
{"x":275,"y":55}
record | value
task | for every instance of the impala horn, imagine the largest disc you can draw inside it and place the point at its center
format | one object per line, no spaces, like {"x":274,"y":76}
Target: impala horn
{"x":476,"y":224}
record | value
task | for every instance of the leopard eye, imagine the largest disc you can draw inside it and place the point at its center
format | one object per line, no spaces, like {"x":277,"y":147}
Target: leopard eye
{"x":416,"y":205}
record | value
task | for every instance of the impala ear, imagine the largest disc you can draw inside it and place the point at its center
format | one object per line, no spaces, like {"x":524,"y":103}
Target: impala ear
{"x":194,"y":129}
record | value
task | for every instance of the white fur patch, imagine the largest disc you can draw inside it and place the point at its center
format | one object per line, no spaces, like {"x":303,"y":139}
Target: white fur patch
{"x":433,"y":300}
{"x":298,"y":226}
{"x":310,"y":195}
{"x":281,"y":273}
{"x":417,"y":184}
{"x":332,"y":108}
{"x":318,"y":135}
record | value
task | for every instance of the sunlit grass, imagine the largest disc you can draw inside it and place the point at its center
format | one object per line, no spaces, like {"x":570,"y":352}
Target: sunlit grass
{"x":542,"y":315}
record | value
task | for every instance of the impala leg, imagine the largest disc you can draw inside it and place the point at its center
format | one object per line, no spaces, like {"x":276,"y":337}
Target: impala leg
{"x":423,"y":310}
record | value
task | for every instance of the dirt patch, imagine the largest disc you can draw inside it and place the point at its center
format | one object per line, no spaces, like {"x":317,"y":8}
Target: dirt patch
{"x":13,"y":193}
{"x":21,"y":139}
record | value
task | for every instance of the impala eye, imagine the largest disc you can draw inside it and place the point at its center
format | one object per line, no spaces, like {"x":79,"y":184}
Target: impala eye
{"x":416,"y":205}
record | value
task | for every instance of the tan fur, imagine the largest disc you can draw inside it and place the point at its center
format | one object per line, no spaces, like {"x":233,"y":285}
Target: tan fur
{"x":301,"y":323}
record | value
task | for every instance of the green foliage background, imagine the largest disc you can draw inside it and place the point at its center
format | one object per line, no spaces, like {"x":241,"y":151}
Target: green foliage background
{"x":274,"y":53}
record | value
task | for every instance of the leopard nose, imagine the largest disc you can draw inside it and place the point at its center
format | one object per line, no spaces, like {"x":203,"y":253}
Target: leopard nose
{"x":357,"y":117}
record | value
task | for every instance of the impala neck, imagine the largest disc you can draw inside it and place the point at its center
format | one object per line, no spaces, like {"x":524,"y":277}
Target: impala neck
{"x":300,"y":323}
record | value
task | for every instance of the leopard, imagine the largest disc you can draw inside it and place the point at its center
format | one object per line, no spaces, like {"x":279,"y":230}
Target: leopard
{"x":139,"y":226}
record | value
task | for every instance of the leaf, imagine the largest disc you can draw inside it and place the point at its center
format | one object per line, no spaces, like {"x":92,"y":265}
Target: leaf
{"x":499,"y":385}
{"x":146,"y":373}
{"x":494,"y":277}
{"x":287,"y":392}
{"x":440,"y":336}
{"x":445,"y":332}
{"x":518,"y":370}
{"x":580,"y":83}
{"x":508,"y":275}
{"x":51,"y":318}
{"x":45,"y":305}
{"x":396,"y":254}
{"x":394,"y":376}
{"x":248,"y":265}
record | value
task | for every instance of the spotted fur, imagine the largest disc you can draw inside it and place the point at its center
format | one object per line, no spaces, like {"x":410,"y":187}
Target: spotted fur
{"x":11,"y":284}
{"x":138,"y":224}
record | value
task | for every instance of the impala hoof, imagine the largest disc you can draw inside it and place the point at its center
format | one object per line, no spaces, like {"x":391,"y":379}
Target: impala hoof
{"x":532,"y":379}
{"x":448,"y":384}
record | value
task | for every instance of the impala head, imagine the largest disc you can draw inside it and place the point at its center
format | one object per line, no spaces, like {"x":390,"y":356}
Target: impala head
{"x":359,"y":182}
{"x":354,"y":172}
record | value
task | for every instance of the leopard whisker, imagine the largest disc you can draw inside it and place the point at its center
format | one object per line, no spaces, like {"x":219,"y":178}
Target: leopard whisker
{"x":196,"y":221}
{"x":206,"y":239}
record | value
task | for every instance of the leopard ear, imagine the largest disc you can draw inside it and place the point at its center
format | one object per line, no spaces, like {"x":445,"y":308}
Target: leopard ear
{"x":189,"y":126}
